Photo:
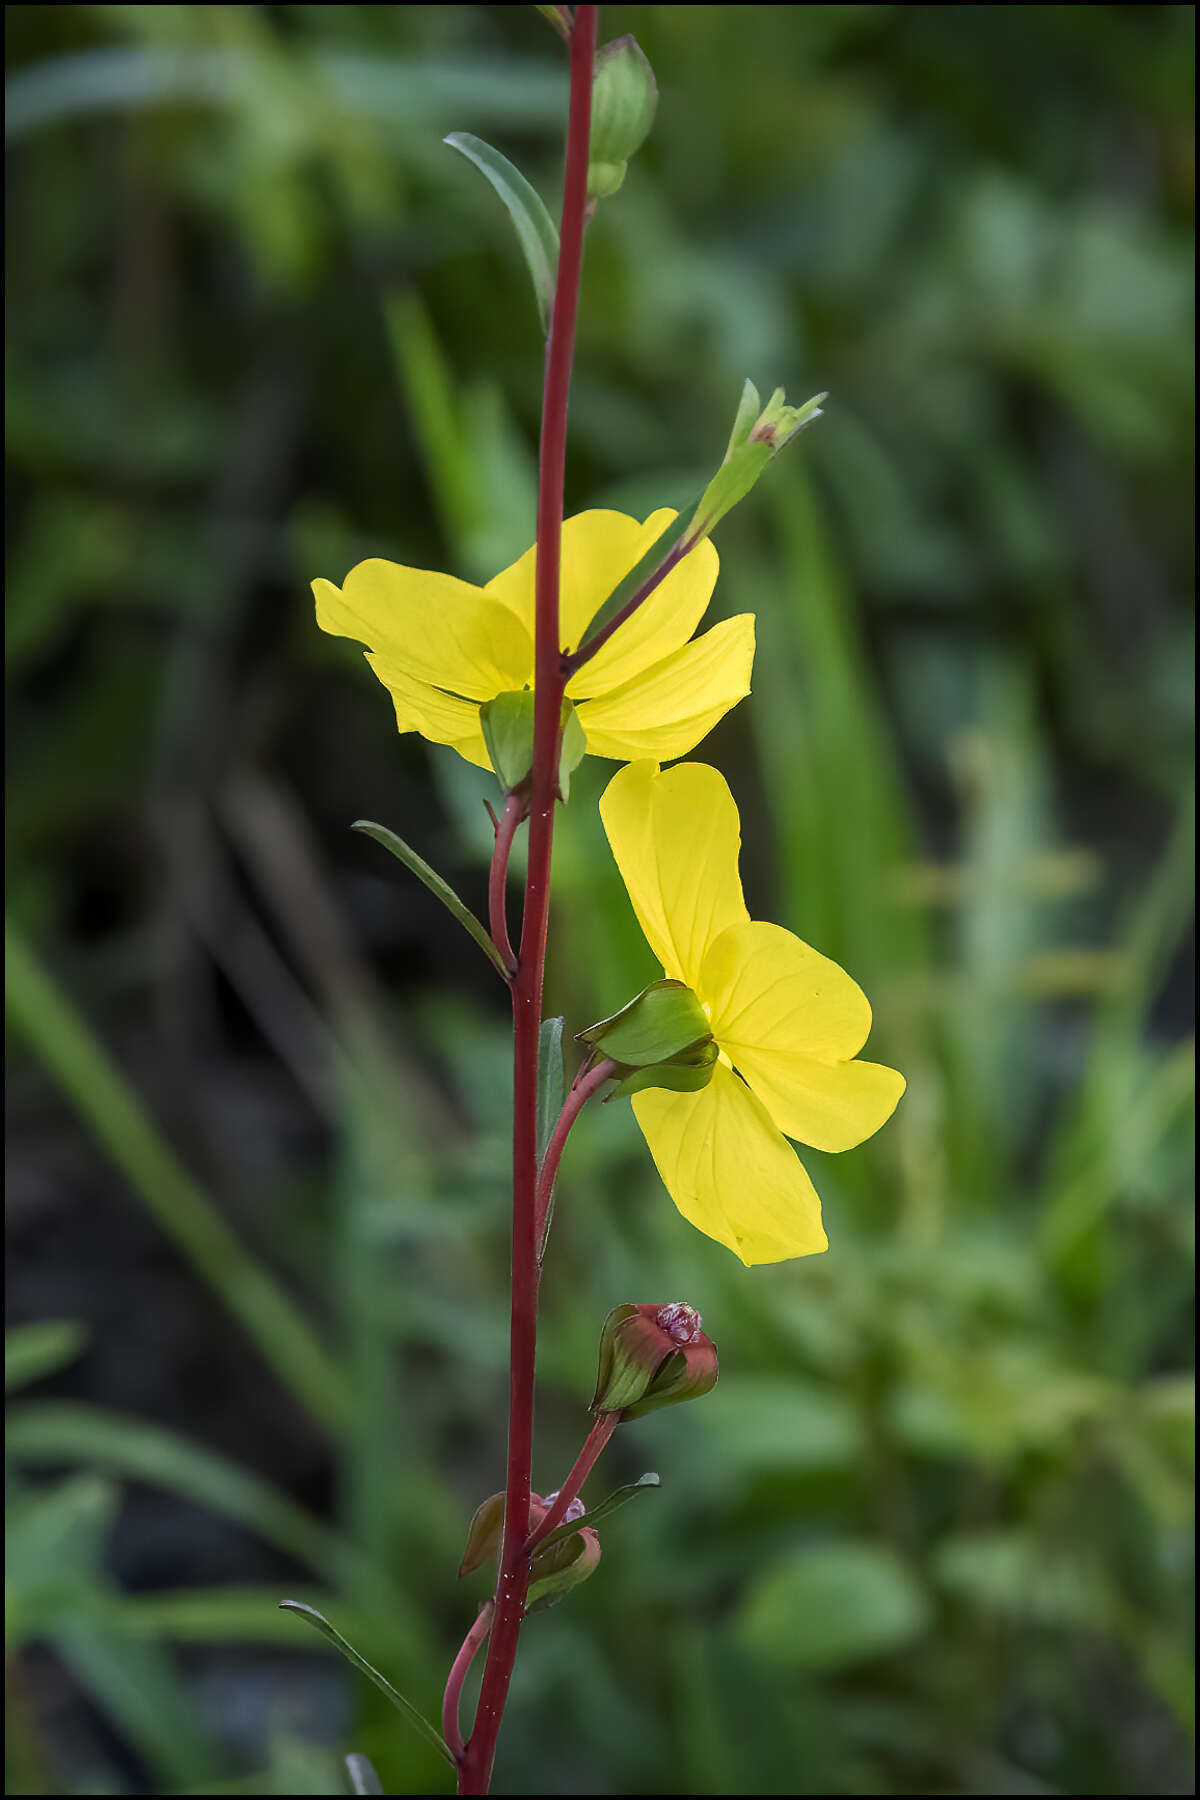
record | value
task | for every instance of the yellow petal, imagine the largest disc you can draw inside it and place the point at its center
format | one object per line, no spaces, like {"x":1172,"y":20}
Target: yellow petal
{"x":665,"y":712}
{"x":675,"y":837}
{"x":430,"y":627}
{"x":441,"y":718}
{"x":832,"y":1106}
{"x":598,"y":550}
{"x":728,"y":1170}
{"x":768,"y":990}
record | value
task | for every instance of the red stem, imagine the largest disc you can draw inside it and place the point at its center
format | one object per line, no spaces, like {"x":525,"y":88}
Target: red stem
{"x":596,"y":1439}
{"x":573,"y":1105}
{"x":475,"y":1770}
{"x":574,"y":662}
{"x":451,"y":1729}
{"x":506,"y":827}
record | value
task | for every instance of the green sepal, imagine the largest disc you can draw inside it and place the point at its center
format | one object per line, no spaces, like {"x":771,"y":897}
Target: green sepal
{"x":563,"y":1566}
{"x":433,"y":881}
{"x":508,"y":725}
{"x":416,"y":1719}
{"x":571,"y":750}
{"x":536,"y":230}
{"x":483,"y":1535}
{"x":662,"y":1022}
{"x":686,"y":1073}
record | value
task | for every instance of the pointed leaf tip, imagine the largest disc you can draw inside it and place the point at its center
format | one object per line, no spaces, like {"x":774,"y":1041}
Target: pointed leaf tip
{"x":434,"y":882}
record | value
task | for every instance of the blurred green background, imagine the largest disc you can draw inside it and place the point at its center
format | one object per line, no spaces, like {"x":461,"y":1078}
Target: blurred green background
{"x":932,"y":1533}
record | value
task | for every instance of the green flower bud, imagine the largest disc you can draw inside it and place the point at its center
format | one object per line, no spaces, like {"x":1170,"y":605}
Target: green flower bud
{"x":663,"y":1021}
{"x":507,"y":724}
{"x":757,"y":436}
{"x":652,"y":1356}
{"x":560,"y":1567}
{"x":624,"y":100}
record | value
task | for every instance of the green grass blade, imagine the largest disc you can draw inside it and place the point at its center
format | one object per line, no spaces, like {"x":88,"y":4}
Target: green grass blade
{"x":536,"y":230}
{"x":31,"y":1351}
{"x":112,"y":1110}
{"x":433,"y":881}
{"x":416,"y":1720}
{"x":69,"y":1432}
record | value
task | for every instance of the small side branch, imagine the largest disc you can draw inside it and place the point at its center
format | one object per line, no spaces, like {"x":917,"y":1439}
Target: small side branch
{"x":597,"y":1438}
{"x":573,"y":1105}
{"x":572,"y":663}
{"x":451,"y":1726}
{"x":506,"y":829}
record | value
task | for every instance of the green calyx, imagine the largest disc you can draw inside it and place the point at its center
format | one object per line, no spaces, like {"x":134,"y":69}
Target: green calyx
{"x":652,"y":1356}
{"x":664,"y":1022}
{"x":507,"y":723}
{"x":624,"y":100}
{"x":759,"y":433}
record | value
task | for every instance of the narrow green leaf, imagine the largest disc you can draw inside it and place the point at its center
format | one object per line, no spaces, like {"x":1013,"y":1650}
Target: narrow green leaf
{"x":435,"y":884}
{"x":363,"y":1779}
{"x":658,"y":552}
{"x":618,"y":1497}
{"x":535,"y":228}
{"x":31,"y":1351}
{"x":417,"y":1720}
{"x":551,"y":1080}
{"x":113,"y":1111}
{"x":552,"y":1086}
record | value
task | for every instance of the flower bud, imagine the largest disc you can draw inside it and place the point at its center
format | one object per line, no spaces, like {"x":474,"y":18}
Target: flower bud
{"x":663,"y":1021}
{"x":560,"y":1567}
{"x":624,"y":99}
{"x":652,"y":1356}
{"x":758,"y":434}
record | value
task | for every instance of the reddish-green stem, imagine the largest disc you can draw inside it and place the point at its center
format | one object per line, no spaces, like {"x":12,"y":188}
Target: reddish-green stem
{"x":475,"y":1769}
{"x":594,"y":1443}
{"x":573,"y":1105}
{"x":451,"y":1729}
{"x":575,"y":661}
{"x":506,"y":826}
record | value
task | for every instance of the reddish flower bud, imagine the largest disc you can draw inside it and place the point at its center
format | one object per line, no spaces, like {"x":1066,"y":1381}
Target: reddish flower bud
{"x":652,"y":1356}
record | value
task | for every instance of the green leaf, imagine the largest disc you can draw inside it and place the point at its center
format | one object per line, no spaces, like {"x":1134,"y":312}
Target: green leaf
{"x":535,"y":228}
{"x":436,"y":885}
{"x":31,"y":1351}
{"x":551,"y":1080}
{"x":363,"y":1779}
{"x":618,"y":1497}
{"x":552,"y":1083}
{"x":320,"y":1623}
{"x":829,"y":1606}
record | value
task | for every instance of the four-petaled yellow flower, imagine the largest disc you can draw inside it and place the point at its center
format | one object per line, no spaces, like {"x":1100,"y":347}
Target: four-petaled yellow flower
{"x":442,"y":647}
{"x":787,"y":1019}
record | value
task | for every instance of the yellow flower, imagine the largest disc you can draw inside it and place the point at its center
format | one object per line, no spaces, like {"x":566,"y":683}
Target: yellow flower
{"x":787,"y":1019}
{"x":442,"y":647}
